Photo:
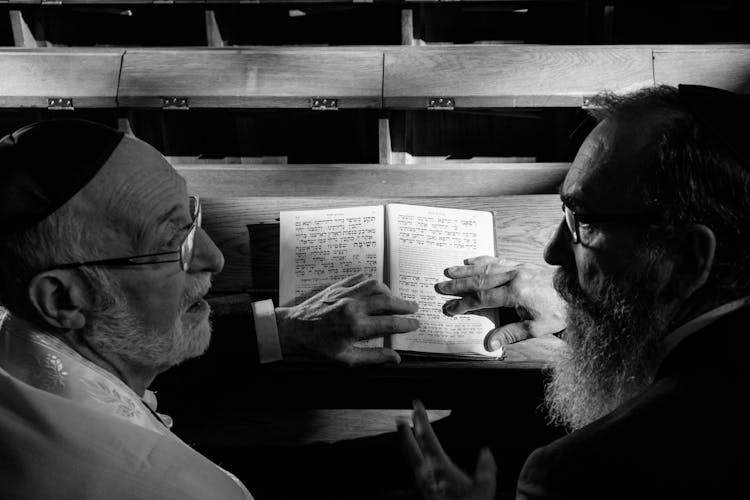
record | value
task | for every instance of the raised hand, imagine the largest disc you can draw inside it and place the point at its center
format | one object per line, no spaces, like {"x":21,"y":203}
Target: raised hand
{"x":436,"y":476}
{"x":330,"y":323}
{"x":485,"y":283}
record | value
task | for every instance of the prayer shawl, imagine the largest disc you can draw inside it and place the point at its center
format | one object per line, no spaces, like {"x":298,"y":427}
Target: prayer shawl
{"x":69,"y":429}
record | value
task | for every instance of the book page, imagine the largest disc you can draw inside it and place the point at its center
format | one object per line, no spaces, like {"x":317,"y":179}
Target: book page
{"x":320,"y":247}
{"x":423,"y":241}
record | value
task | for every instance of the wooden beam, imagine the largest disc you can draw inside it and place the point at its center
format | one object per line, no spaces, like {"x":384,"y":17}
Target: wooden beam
{"x":384,"y":142}
{"x":213,"y":33}
{"x":22,"y":35}
{"x":123,"y":125}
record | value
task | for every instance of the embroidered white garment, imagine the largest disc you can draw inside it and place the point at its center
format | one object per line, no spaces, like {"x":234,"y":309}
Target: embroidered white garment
{"x":70,"y":429}
{"x":47,"y":363}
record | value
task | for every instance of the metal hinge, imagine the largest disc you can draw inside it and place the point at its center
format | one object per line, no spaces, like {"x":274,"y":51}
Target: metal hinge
{"x":324,"y":104}
{"x":441,"y":103}
{"x":60,"y":103}
{"x":174,"y":103}
{"x":586,"y":104}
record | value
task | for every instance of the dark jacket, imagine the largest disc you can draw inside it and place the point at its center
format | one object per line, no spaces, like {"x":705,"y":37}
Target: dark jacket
{"x":685,"y":437}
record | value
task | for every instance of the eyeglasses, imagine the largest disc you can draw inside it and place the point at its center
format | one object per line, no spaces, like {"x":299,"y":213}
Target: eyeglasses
{"x":583,"y":228}
{"x":184,"y":255}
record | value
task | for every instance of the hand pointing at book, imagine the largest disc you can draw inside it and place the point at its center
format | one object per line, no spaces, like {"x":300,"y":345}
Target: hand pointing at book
{"x":330,"y":323}
{"x":486,"y":283}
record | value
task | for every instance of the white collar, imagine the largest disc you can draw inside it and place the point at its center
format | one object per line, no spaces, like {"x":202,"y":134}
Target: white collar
{"x":698,"y":323}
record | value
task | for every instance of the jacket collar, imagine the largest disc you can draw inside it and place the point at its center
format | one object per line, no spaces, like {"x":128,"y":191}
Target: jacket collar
{"x":706,"y":338}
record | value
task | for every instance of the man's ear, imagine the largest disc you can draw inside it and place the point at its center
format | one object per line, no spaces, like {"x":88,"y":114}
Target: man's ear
{"x":698,"y":249}
{"x":59,"y":298}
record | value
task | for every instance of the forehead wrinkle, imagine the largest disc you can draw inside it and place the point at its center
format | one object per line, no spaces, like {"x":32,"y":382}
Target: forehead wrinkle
{"x":132,"y":205}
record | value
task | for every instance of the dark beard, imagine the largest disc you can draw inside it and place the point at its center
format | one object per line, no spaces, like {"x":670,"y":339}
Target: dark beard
{"x":614,"y":337}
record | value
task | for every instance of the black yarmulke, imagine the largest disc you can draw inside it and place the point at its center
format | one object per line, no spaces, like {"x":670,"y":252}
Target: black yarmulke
{"x":45,"y":164}
{"x":723,"y":114}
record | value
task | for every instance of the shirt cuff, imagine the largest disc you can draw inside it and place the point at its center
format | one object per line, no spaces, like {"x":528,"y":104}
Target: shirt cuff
{"x":266,"y":331}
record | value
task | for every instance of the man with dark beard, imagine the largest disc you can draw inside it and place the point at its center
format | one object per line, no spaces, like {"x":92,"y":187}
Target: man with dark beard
{"x":654,"y":274}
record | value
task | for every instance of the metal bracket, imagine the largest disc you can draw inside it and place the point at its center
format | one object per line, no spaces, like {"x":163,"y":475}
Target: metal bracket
{"x":60,"y":103}
{"x":586,"y":104}
{"x":441,"y":103}
{"x":324,"y":104}
{"x":174,"y":103}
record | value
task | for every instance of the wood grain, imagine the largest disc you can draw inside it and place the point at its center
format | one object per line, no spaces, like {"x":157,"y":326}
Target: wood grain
{"x":474,"y":179}
{"x":30,"y":76}
{"x":297,"y":428}
{"x":252,"y":77}
{"x":514,"y":76}
{"x":524,"y":224}
{"x":725,"y":67}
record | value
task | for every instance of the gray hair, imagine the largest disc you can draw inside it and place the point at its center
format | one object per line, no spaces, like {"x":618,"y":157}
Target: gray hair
{"x":59,"y":238}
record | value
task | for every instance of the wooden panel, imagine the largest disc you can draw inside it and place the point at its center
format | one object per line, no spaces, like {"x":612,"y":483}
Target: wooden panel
{"x":524,"y":224}
{"x":725,"y":67}
{"x":231,"y":181}
{"x":30,"y":76}
{"x":512,"y":76}
{"x":254,"y":77}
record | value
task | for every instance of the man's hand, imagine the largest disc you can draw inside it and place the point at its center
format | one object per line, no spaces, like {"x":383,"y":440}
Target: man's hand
{"x":437,"y":477}
{"x":485,"y":283}
{"x":329,"y":323}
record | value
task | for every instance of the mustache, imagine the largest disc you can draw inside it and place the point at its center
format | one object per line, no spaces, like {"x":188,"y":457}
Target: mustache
{"x":197,"y":288}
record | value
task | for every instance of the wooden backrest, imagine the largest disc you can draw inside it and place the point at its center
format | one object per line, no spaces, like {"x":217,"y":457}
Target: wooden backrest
{"x":726,"y":67}
{"x":359,"y":77}
{"x":512,"y":75}
{"x":252,"y":77}
{"x":235,"y":197}
{"x":30,"y":77}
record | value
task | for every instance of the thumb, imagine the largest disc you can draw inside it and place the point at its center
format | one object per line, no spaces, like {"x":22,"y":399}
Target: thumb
{"x":507,"y":334}
{"x":485,"y":475}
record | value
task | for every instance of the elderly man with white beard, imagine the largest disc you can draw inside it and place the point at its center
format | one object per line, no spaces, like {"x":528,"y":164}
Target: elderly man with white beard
{"x":103,"y":267}
{"x":655,"y":280}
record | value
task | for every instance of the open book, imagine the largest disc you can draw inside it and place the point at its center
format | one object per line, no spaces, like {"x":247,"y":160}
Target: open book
{"x":405,"y":246}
